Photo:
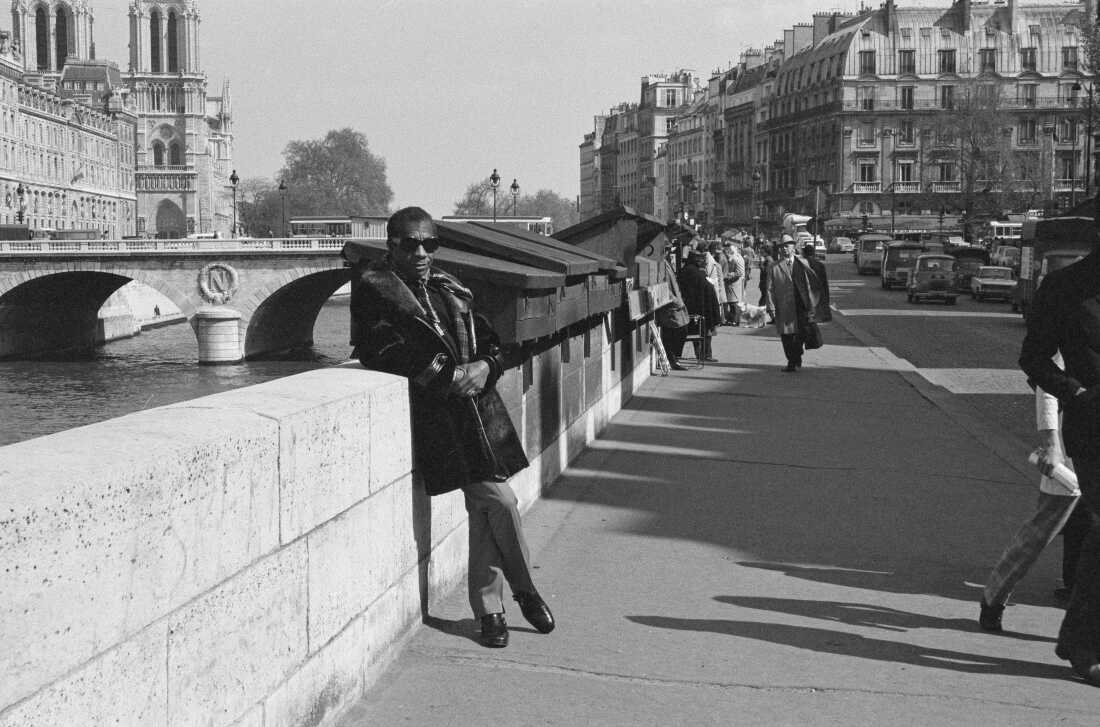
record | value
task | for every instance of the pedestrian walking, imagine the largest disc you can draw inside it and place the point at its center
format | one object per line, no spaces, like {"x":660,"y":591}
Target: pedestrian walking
{"x":735,"y":284}
{"x":414,"y":321}
{"x":716,"y":274}
{"x":819,"y":283}
{"x":1064,"y":318}
{"x":790,"y":302}
{"x":1053,"y":510}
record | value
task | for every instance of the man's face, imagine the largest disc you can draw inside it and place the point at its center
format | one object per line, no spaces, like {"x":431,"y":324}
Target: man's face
{"x":787,"y":251}
{"x":411,"y":252}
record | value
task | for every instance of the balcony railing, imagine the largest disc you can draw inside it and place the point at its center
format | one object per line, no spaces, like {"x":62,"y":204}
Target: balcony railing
{"x":935,"y":104}
{"x":1068,"y":185}
{"x":866,"y":187}
{"x":945,"y":187}
{"x":906,"y":187}
{"x":177,"y":182}
{"x":151,"y":169}
{"x":173,"y":247}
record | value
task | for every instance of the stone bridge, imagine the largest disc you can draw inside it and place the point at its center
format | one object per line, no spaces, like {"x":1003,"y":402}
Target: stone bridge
{"x":244,"y":298}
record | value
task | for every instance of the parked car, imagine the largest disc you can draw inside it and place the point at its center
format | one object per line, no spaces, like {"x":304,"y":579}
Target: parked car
{"x":992,"y":281}
{"x":843,"y":244}
{"x":933,"y":278}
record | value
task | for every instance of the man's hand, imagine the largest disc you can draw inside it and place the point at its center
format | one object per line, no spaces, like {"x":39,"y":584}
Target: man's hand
{"x":1051,"y":447}
{"x":472,"y":381}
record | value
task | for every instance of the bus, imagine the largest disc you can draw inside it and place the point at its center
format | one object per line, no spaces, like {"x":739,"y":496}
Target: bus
{"x":363,"y":226}
{"x":1005,"y":233}
{"x":537,"y":225}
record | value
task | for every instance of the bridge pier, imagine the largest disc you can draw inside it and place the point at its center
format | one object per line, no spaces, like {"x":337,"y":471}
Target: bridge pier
{"x":219,"y":335}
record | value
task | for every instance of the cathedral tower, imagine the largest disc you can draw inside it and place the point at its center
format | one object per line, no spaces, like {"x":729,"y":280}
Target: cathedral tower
{"x":48,"y":32}
{"x":184,"y":137}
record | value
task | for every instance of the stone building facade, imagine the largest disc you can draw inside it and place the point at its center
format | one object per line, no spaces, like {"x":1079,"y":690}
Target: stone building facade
{"x":67,"y":133}
{"x":184,"y":135}
{"x":971,"y":108}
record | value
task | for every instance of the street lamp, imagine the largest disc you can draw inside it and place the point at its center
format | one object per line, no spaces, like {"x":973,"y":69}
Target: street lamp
{"x":515,"y":195}
{"x":233,"y":179}
{"x":282,"y":193}
{"x":494,"y":182}
{"x":21,"y":194}
{"x":755,"y":191}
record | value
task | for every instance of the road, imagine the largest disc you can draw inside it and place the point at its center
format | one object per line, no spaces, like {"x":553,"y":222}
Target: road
{"x":970,"y":349}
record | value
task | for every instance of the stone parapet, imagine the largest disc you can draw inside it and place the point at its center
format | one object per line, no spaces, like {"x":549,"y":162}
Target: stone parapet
{"x":256,"y":557}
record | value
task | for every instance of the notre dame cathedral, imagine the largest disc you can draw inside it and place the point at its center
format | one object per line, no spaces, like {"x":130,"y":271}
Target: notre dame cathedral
{"x":182,"y":137}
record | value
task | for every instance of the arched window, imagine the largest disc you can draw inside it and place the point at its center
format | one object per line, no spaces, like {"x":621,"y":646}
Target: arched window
{"x":154,"y":41}
{"x":158,"y":154}
{"x":173,"y":44}
{"x":61,"y":37}
{"x":42,"y":38}
{"x":175,"y":154}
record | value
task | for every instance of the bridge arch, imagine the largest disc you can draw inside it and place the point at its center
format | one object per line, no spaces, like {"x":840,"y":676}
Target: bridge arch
{"x":55,"y":310}
{"x":285,"y":310}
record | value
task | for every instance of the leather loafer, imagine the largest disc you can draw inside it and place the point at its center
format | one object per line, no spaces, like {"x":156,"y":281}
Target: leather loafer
{"x":989,"y":618}
{"x":494,"y":631}
{"x":535,"y":611}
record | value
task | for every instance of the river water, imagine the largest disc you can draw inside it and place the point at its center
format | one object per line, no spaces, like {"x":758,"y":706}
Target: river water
{"x":155,"y":368}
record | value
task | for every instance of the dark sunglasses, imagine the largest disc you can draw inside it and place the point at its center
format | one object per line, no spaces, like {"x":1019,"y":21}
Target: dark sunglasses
{"x":410,"y":244}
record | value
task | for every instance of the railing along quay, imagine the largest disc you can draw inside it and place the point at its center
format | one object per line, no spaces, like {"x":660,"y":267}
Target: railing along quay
{"x":170,"y":247}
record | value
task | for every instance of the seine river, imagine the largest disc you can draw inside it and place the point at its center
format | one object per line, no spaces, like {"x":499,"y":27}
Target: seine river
{"x":155,"y":368}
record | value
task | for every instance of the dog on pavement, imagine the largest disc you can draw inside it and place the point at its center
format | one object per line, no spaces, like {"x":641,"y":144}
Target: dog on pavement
{"x":753,"y":316}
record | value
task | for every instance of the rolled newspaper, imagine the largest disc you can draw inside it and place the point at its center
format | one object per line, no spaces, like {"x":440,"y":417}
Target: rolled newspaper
{"x":1061,"y":474}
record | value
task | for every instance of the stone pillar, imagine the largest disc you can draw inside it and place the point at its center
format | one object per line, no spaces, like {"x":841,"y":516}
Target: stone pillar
{"x":218,"y":333}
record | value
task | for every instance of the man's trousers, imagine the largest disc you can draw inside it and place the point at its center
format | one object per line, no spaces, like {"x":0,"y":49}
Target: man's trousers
{"x":1033,"y":535}
{"x":792,"y":348}
{"x":498,"y":550}
{"x":1081,"y":625}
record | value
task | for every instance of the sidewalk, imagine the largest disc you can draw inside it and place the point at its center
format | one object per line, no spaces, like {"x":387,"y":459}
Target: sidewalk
{"x":750,"y":547}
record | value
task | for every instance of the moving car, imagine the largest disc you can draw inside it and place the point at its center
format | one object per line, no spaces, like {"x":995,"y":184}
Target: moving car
{"x":897,"y":262}
{"x":933,"y":278}
{"x":970,"y":259}
{"x":843,"y":244}
{"x":1005,"y":256}
{"x":869,"y":253}
{"x":992,"y":281}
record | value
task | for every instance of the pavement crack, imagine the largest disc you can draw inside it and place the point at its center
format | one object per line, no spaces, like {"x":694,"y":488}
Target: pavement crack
{"x":497,"y":664}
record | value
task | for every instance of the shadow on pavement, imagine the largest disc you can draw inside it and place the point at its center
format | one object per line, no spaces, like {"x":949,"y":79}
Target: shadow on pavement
{"x":863,"y":614}
{"x":848,"y":644}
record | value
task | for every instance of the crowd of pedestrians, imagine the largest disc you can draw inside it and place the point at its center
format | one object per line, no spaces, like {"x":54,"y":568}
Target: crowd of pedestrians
{"x":710,"y":284}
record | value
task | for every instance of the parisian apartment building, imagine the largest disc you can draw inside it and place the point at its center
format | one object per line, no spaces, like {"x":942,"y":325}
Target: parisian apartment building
{"x":970,"y":108}
{"x":88,"y":146}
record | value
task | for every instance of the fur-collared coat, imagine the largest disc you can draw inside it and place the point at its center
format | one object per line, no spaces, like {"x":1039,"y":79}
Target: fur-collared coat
{"x":456,"y":440}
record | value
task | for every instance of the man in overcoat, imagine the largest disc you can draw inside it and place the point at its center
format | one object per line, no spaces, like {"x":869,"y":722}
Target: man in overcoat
{"x":1065,"y":318}
{"x":791,"y":301}
{"x":415,"y":321}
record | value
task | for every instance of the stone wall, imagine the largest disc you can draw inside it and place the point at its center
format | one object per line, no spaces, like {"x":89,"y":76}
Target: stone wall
{"x":258,"y":556}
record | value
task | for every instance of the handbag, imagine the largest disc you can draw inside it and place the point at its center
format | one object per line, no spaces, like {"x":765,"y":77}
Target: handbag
{"x":811,"y":335}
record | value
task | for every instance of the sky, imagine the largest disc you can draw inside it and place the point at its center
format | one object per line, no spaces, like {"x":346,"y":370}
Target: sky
{"x":447,"y":91}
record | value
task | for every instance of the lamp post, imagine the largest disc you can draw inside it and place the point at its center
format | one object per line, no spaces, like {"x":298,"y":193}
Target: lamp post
{"x":817,"y":184}
{"x":233,"y":179}
{"x":494,"y":182}
{"x":282,"y":193}
{"x":515,"y":195}
{"x":21,"y":195}
{"x":755,"y":191}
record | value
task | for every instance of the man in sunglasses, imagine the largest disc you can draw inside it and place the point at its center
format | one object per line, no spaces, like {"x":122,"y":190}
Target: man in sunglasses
{"x":412,"y":320}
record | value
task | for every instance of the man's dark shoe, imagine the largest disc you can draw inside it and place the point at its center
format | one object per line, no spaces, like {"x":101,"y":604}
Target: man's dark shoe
{"x":677,"y":367}
{"x":1083,"y":662}
{"x":990,"y":617}
{"x":711,"y":359}
{"x":494,"y":631}
{"x":535,"y":611}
